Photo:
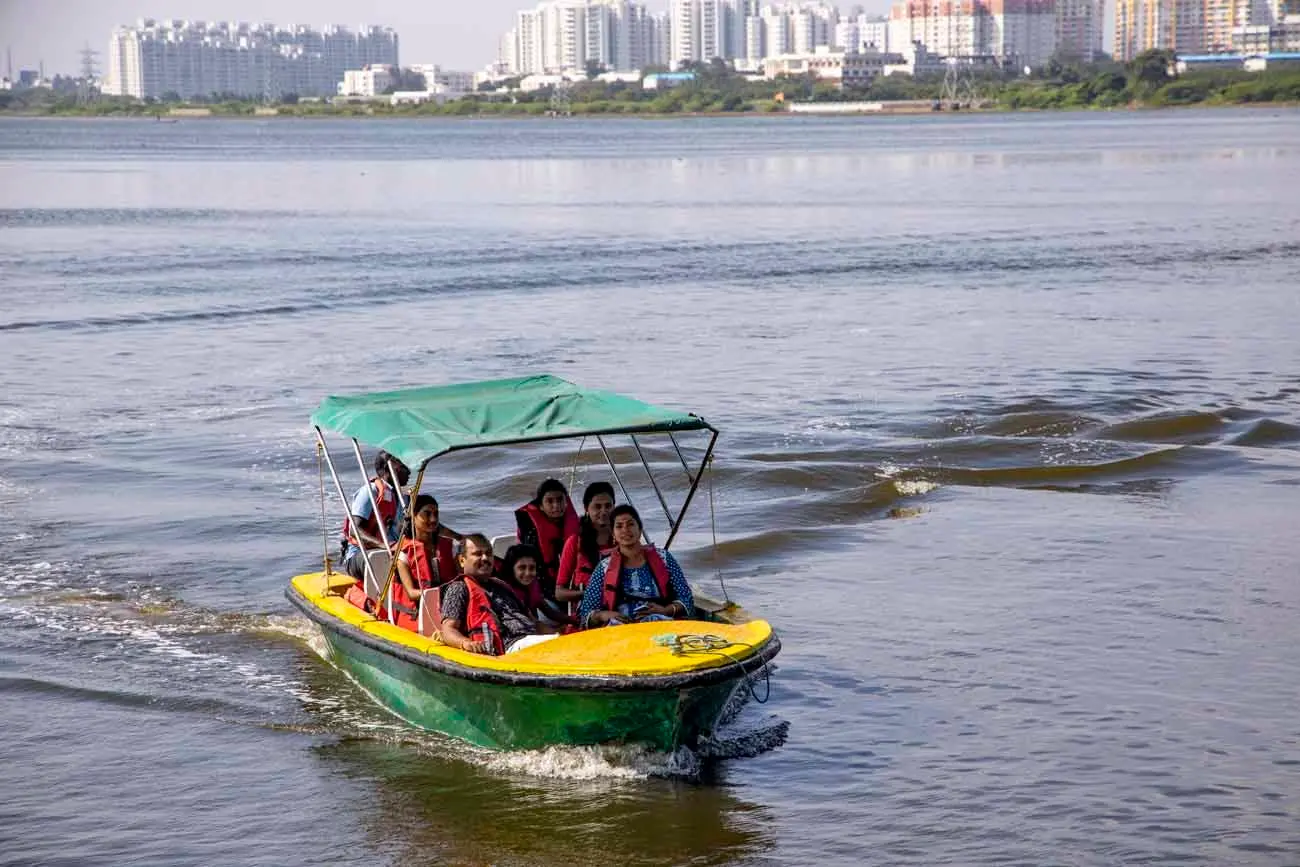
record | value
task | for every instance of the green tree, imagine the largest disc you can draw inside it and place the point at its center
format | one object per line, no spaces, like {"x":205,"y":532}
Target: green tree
{"x":1150,"y":69}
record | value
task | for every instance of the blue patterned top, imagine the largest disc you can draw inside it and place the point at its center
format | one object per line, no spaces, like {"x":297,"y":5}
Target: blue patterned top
{"x":637,"y":585}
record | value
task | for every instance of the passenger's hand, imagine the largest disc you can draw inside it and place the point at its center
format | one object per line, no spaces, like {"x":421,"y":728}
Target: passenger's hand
{"x":474,"y":647}
{"x":651,"y":608}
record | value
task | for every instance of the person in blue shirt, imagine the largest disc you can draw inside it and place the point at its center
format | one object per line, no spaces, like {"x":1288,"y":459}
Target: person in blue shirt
{"x":636,"y":582}
{"x":362,"y":521}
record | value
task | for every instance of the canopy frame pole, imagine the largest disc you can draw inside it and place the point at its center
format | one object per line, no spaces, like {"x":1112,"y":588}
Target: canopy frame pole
{"x":695,"y":486}
{"x":654,"y":484}
{"x":626,"y":498}
{"x":681,"y":457}
{"x":383,"y":531}
{"x":386,"y":592}
{"x":338,"y":486}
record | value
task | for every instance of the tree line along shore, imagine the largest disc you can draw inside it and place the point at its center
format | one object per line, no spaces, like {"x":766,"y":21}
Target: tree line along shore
{"x":1146,"y":82}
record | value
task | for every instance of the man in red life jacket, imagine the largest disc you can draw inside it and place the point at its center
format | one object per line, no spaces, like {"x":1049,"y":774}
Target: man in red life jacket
{"x":363,"y":521}
{"x":480,"y":613}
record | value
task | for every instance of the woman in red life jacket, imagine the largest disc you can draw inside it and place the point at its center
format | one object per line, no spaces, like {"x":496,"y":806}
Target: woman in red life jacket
{"x":425,"y":560}
{"x":546,"y":522}
{"x":582,"y":552}
{"x":635,"y":582}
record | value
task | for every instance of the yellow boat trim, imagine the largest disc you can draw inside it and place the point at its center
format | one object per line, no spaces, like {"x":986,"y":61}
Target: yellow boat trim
{"x":635,"y":650}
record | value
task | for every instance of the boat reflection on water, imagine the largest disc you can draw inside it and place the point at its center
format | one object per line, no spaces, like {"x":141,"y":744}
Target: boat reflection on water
{"x":426,"y":798}
{"x":439,"y":809}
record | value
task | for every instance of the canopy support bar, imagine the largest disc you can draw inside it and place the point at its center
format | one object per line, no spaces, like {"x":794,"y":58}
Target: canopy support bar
{"x":695,"y":485}
{"x":681,"y":457}
{"x":662,"y":502}
{"x":383,"y":531}
{"x":627,"y":499}
{"x":338,"y":486}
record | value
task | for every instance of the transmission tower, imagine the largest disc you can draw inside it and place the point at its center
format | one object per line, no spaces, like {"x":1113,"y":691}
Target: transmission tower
{"x":86,"y":90}
{"x":562,"y":99}
{"x":958,"y":90}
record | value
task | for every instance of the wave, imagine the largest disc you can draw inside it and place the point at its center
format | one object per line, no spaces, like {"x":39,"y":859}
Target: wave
{"x":1194,"y":427}
{"x":17,"y":218}
{"x":1268,"y":433}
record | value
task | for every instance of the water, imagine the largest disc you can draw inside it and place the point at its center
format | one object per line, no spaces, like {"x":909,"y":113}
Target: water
{"x":1011,"y":458}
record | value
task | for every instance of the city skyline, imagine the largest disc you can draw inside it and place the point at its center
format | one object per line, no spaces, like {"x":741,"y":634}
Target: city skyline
{"x":465,"y":36}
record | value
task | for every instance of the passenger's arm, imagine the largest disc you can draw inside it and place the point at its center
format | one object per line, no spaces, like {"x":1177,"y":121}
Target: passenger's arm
{"x":590,"y":614}
{"x":453,"y":637}
{"x":409,"y":583}
{"x":564,"y":589}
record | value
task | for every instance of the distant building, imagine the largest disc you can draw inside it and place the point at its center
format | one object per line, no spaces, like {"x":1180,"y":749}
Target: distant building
{"x":559,"y":36}
{"x":1196,"y":27}
{"x":1014,"y":32}
{"x":666,"y":80}
{"x":842,"y":68}
{"x":199,"y":59}
{"x":371,"y":81}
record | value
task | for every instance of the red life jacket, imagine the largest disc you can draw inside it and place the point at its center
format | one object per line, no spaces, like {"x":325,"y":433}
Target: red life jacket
{"x":444,"y":561}
{"x":530,"y":597}
{"x":480,"y":619}
{"x":550,"y":538}
{"x":580,"y":574}
{"x":387,"y":502}
{"x":614,"y":568}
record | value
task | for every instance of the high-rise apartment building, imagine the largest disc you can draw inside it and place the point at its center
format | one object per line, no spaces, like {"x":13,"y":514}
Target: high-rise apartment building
{"x":1079,"y":28}
{"x":1018,"y":32}
{"x":560,"y":36}
{"x":199,"y":59}
{"x":1203,"y":26}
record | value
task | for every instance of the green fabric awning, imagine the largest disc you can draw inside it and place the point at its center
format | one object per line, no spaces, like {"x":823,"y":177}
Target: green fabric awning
{"x":416,"y":424}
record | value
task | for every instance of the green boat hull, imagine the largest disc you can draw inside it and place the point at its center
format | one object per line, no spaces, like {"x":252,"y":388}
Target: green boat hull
{"x":513,"y":717}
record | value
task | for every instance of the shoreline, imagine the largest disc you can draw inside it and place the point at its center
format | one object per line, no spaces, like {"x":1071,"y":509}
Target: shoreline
{"x":909,"y":111}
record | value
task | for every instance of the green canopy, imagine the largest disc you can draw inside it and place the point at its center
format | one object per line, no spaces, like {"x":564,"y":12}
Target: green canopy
{"x":417,"y":424}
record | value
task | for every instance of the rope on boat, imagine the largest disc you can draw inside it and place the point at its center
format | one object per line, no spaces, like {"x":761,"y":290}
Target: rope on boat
{"x":713,"y":523}
{"x":573,"y":466}
{"x":689,"y":643}
{"x":324,"y":527}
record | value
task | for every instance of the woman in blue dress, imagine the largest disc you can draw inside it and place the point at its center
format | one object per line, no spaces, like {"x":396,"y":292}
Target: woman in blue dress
{"x":636,"y":582}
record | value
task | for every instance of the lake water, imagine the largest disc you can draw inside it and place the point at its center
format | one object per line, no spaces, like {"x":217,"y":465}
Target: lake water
{"x":1010,"y":458}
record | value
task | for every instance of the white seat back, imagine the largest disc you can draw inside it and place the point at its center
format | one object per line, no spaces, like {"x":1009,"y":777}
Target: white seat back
{"x":430,"y":612}
{"x":380,"y":560}
{"x":501,"y":544}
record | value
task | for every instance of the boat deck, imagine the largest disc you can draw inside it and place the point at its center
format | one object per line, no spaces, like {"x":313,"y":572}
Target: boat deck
{"x":637,"y":650}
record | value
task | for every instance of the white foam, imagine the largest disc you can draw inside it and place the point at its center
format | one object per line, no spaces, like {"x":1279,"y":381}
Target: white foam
{"x":914,"y":488}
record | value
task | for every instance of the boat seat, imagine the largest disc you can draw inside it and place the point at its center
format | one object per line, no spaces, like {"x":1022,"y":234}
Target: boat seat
{"x":501,"y":544}
{"x":430,"y":612}
{"x":379,"y":563}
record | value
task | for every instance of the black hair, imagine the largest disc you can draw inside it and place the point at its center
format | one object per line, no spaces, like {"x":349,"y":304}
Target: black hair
{"x":417,"y":507}
{"x":546,"y":487}
{"x":626,"y":509}
{"x":588,"y":542}
{"x":514,"y":554}
{"x":595,"y":489}
{"x":381,"y":466}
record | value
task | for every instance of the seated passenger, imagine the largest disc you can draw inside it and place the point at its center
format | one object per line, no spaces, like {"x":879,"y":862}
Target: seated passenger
{"x":519,"y":572}
{"x":481,"y":613}
{"x":635,"y":582}
{"x":426,"y":560}
{"x":362,"y":521}
{"x":545,"y":523}
{"x":582,"y":552}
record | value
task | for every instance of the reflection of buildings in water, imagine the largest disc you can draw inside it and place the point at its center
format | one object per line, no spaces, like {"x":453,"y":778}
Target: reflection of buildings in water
{"x":449,"y":804}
